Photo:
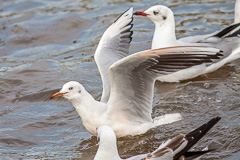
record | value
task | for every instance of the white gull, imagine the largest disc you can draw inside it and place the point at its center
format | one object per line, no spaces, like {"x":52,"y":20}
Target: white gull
{"x":176,"y":148}
{"x":164,"y":36}
{"x":131,"y":81}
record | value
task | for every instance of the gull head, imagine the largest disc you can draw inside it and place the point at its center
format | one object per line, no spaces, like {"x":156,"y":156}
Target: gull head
{"x":107,"y":144}
{"x":106,"y":136}
{"x":70,"y":90}
{"x":157,"y":14}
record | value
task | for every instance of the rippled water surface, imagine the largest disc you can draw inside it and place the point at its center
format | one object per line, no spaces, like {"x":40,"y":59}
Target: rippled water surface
{"x":44,"y":44}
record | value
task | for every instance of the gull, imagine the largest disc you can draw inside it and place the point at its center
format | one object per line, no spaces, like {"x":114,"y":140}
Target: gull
{"x":166,"y":12}
{"x":131,"y":81}
{"x":164,"y":36}
{"x":176,"y":148}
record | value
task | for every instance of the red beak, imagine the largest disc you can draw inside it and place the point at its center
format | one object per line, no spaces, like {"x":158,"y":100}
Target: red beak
{"x":58,"y":94}
{"x":140,"y":13}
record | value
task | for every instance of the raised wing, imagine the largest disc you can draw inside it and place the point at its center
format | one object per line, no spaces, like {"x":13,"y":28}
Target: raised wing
{"x":132,"y":78}
{"x":113,"y":46}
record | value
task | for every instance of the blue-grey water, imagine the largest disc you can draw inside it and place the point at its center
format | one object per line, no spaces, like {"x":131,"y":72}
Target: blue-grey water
{"x":44,"y":44}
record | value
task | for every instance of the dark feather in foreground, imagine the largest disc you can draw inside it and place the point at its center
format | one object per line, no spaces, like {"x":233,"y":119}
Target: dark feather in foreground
{"x":231,"y":31}
{"x":194,"y":136}
{"x":194,"y":154}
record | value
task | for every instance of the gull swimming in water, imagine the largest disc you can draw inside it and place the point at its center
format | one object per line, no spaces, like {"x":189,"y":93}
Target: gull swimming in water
{"x":128,"y":105}
{"x":229,"y":31}
{"x":176,"y":148}
{"x":164,"y":36}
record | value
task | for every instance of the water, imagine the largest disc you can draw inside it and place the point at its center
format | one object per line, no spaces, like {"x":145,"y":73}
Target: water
{"x":44,"y":44}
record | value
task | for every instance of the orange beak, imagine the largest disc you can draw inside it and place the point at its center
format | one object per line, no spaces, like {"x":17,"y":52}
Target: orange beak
{"x":58,"y":94}
{"x":140,"y":13}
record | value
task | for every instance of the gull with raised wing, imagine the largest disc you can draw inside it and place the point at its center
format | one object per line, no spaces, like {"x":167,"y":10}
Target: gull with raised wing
{"x":130,"y":81}
{"x":176,"y":148}
{"x":164,"y":36}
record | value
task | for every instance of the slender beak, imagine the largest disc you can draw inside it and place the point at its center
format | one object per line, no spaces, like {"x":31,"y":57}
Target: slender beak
{"x":58,"y":94}
{"x":140,"y":13}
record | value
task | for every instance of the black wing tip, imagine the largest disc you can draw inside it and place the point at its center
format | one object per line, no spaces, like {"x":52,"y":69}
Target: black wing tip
{"x":228,"y":29}
{"x":194,"y":154}
{"x":220,"y":53}
{"x":218,"y":118}
{"x":194,"y":136}
{"x":122,"y":14}
{"x":205,"y":127}
{"x":213,"y":121}
{"x":234,"y":34}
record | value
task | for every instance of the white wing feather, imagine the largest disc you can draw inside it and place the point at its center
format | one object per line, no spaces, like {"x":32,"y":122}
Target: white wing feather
{"x":113,"y":46}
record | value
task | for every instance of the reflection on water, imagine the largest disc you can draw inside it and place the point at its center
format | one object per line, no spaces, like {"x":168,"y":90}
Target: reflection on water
{"x":44,"y":44}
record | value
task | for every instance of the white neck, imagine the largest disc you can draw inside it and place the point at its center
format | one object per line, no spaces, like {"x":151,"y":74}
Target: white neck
{"x":164,"y":34}
{"x":237,"y":12}
{"x":85,"y":105}
{"x":107,"y":150}
{"x":84,"y":100}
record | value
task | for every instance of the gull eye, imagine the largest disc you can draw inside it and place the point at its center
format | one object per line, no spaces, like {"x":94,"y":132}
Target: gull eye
{"x":70,"y":88}
{"x":98,"y":139}
{"x":155,"y":12}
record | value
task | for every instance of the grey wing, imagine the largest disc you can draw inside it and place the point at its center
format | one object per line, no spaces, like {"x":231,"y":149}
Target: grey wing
{"x":132,"y":78}
{"x":196,"y":39}
{"x":230,"y":31}
{"x":227,"y":40}
{"x":113,"y":46}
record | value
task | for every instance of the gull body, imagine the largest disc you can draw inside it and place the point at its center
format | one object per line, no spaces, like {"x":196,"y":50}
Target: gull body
{"x":128,"y":81}
{"x":176,"y":148}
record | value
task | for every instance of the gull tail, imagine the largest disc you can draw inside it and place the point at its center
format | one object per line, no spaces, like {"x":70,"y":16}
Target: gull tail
{"x":166,"y":119}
